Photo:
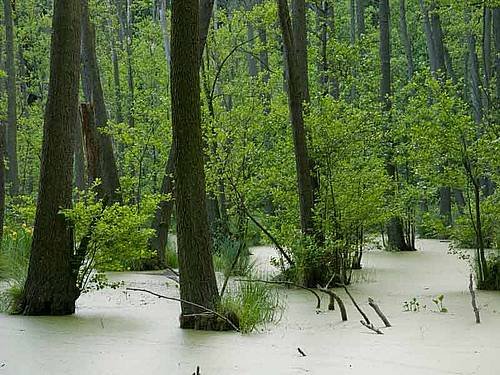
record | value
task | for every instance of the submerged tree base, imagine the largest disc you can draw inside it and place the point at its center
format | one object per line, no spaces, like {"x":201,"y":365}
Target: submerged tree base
{"x":208,"y":322}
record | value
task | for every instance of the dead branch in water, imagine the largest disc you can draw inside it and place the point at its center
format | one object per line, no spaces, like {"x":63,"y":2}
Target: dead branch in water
{"x":189,"y":303}
{"x":379,"y":312}
{"x":370,"y":326}
{"x":318,"y":299}
{"x":335,"y":297}
{"x":365,"y":317}
{"x":473,"y":296}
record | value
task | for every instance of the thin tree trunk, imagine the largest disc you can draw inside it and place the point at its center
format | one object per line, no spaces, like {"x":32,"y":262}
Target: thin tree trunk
{"x":116,"y":73}
{"x":428,"y":37}
{"x":487,"y":17}
{"x":299,"y":35}
{"x":11,"y":139}
{"x":295,"y":99}
{"x":197,"y":277}
{"x":405,"y":39}
{"x":2,"y":178}
{"x":92,"y":88}
{"x":79,"y":165}
{"x":360,"y":17}
{"x":51,"y":283}
{"x":496,"y":35}
{"x":164,"y":31}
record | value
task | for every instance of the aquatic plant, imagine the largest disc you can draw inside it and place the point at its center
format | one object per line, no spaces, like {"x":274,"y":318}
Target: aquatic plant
{"x":253,"y":305}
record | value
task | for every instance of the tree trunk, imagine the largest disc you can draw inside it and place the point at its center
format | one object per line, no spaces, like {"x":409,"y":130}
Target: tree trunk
{"x":10,"y":65}
{"x":116,"y":75}
{"x":428,"y":37}
{"x":165,"y":208}
{"x":395,"y":230}
{"x":475,"y":80}
{"x":295,"y":100}
{"x":299,"y":36}
{"x":79,"y":156}
{"x":405,"y":39}
{"x":360,"y":17}
{"x":51,"y":283}
{"x":2,"y":178}
{"x":487,"y":14}
{"x":496,"y":35}
{"x":197,"y":276}
{"x":92,"y":89}
{"x":164,"y":31}
{"x":322,"y":30}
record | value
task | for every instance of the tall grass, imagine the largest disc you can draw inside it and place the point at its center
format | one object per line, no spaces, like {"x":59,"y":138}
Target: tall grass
{"x":254,"y":304}
{"x":14,"y":261}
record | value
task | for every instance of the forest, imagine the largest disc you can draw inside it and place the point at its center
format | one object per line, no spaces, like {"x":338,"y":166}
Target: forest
{"x":221,"y":186}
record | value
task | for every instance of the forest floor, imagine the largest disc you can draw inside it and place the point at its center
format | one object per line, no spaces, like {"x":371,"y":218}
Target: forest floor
{"x":118,"y":333}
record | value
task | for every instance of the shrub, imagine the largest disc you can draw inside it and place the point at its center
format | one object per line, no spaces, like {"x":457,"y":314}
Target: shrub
{"x":226,"y":251}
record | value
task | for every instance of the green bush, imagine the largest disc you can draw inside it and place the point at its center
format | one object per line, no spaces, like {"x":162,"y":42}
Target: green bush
{"x":432,"y":226}
{"x":492,"y":281}
{"x":253,"y":304}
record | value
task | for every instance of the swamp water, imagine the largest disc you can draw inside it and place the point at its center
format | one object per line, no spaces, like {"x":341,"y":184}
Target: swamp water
{"x":118,"y":333}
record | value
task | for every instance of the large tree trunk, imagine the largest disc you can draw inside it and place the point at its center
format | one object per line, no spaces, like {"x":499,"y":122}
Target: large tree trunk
{"x":10,"y":65}
{"x":92,"y":88}
{"x":197,"y":276}
{"x":165,"y":208}
{"x":51,"y":283}
{"x":295,"y":100}
{"x":405,"y":38}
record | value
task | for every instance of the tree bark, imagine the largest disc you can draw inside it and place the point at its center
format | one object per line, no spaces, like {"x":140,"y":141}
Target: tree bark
{"x":295,"y":100}
{"x":428,"y":37}
{"x":51,"y":282}
{"x":10,"y":65}
{"x":360,"y":17}
{"x":79,"y":165}
{"x":165,"y":208}
{"x":405,"y":39}
{"x":299,"y":36}
{"x":197,"y":276}
{"x":92,"y":88}
{"x":496,"y":36}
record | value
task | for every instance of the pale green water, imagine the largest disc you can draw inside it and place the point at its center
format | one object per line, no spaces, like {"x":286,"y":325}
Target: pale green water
{"x":115,"y":333}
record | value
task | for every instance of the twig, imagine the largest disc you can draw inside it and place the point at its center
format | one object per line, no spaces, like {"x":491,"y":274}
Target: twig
{"x":370,"y":326}
{"x":379,"y":312}
{"x":189,"y":303}
{"x":318,"y":299}
{"x":473,"y":296}
{"x":301,"y":352}
{"x":343,"y":312}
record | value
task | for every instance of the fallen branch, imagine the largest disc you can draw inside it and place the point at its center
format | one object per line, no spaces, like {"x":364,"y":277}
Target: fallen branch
{"x":189,"y":303}
{"x":343,"y":312}
{"x":370,"y":326}
{"x":365,"y":317}
{"x":301,"y":352}
{"x":318,"y":299}
{"x":379,"y":312}
{"x":473,"y":296}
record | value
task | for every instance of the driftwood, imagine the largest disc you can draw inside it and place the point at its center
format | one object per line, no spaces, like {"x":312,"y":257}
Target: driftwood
{"x":379,"y":312}
{"x":333,"y":296}
{"x":197,"y":371}
{"x":370,"y":326}
{"x":189,"y":303}
{"x":473,"y":296}
{"x":318,"y":299}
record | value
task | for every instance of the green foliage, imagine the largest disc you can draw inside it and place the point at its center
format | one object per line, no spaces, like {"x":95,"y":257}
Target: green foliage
{"x":413,"y":305}
{"x":255,"y":304}
{"x":14,"y":262}
{"x":226,"y":251}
